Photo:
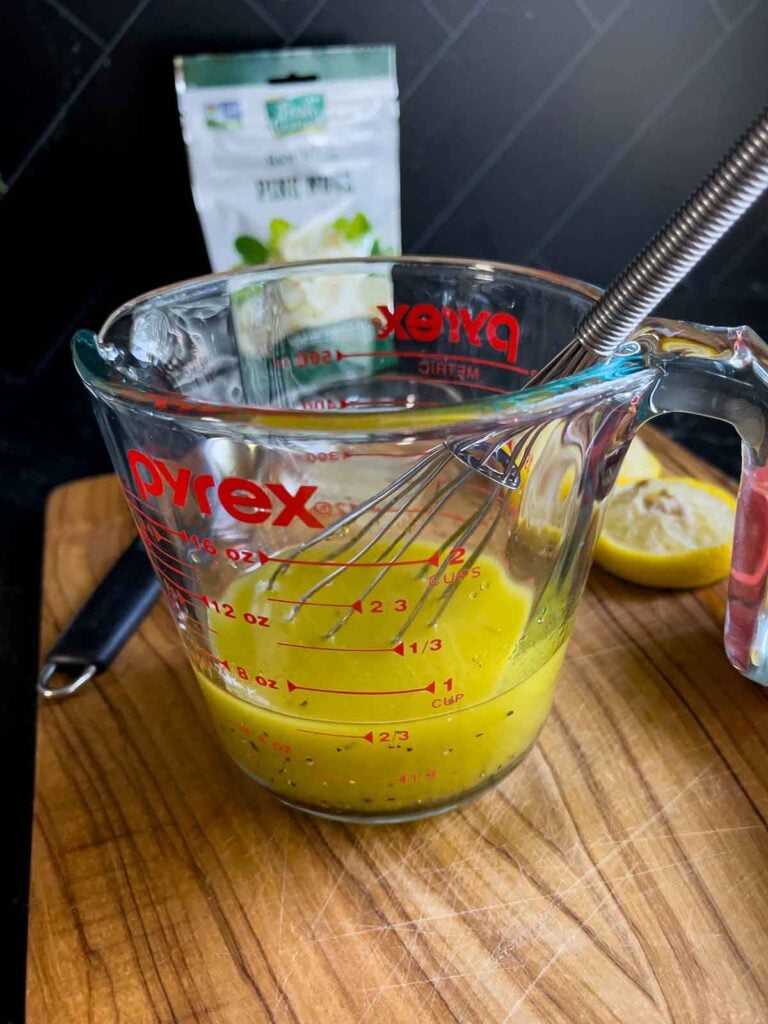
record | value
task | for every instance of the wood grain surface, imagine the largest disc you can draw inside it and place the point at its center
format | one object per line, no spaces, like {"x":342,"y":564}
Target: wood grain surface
{"x":620,"y":874}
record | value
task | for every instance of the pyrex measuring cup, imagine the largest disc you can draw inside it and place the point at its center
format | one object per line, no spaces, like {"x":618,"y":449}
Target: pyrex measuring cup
{"x":398,"y":665}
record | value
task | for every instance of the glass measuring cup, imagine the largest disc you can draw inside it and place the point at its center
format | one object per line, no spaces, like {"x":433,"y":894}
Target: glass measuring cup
{"x":370,"y":659}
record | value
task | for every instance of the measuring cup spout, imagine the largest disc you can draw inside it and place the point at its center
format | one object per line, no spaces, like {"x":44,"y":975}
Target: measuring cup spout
{"x":723,"y":374}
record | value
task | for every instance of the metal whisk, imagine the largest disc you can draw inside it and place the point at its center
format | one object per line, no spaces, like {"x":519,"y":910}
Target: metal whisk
{"x":733,"y":186}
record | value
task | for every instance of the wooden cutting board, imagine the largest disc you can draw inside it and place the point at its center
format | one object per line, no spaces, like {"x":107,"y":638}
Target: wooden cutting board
{"x":619,"y":875}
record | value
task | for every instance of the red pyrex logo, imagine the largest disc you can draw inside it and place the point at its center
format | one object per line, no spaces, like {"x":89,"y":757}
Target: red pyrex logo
{"x":424,"y":323}
{"x":244,"y":500}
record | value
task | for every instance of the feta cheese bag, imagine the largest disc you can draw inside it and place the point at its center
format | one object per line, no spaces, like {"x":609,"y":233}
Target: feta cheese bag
{"x":293,"y":154}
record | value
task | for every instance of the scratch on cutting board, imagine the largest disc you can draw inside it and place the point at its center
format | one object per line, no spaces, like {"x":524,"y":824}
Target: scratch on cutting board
{"x":407,"y":952}
{"x":278,"y":993}
{"x":409,"y":941}
{"x":311,"y":938}
{"x":595,"y":869}
{"x":426,"y":837}
{"x":416,"y":925}
{"x":300,"y":945}
{"x":612,"y":649}
{"x":715,"y":831}
{"x":577,"y":886}
{"x":496,"y":965}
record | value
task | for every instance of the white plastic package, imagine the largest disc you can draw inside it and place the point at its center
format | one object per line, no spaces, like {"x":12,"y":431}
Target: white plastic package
{"x":293,"y":154}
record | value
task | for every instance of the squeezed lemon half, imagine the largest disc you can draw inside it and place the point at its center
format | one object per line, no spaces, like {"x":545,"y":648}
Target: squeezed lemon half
{"x":639,"y":463}
{"x":674,"y":532}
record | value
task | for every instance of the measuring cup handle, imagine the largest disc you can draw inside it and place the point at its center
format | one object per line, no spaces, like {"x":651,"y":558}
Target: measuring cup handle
{"x":733,"y":386}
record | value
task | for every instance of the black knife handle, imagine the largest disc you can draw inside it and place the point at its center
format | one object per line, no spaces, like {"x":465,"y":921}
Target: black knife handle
{"x":103,"y":625}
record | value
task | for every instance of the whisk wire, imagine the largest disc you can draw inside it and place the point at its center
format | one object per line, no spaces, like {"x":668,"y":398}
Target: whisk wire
{"x":426,"y":519}
{"x":400,"y":494}
{"x":425,"y":464}
{"x":466,"y":533}
{"x":734,"y":185}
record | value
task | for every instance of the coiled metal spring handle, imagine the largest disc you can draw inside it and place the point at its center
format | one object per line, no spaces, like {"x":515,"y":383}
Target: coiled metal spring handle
{"x":734,"y":185}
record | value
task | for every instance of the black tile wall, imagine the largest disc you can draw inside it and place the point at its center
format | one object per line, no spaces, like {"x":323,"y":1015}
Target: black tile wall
{"x":101,"y":17}
{"x":553,"y":132}
{"x":502,"y":52}
{"x":728,"y":10}
{"x":601,"y":9}
{"x":50,"y":50}
{"x":419,"y":39}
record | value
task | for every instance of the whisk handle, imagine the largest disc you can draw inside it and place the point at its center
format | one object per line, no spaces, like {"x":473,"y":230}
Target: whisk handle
{"x":736,"y":183}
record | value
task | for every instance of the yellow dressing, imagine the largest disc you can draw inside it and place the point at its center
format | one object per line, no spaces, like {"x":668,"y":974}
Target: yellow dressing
{"x":390,"y":714}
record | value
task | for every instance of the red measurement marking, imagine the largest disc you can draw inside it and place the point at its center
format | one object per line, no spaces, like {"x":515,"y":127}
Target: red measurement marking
{"x":136,"y":497}
{"x":177,"y":586}
{"x":179,"y":603}
{"x":452,"y":515}
{"x":432,"y":560}
{"x":155,"y":522}
{"x":357,"y":606}
{"x":200,"y":651}
{"x":155,"y":560}
{"x":368,"y":737}
{"x":169,"y":580}
{"x":380,"y":455}
{"x":155,"y":557}
{"x":447,"y":357}
{"x":430,"y":688}
{"x":152,"y":536}
{"x":172,"y":592}
{"x":156,"y":547}
{"x":399,"y":649}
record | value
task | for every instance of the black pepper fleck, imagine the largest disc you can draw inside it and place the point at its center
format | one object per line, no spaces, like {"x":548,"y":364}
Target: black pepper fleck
{"x":478,"y":735}
{"x":510,"y":713}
